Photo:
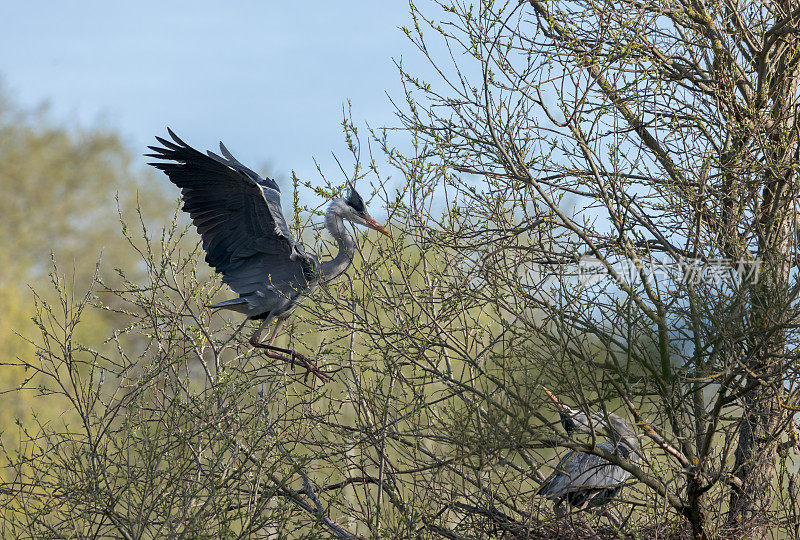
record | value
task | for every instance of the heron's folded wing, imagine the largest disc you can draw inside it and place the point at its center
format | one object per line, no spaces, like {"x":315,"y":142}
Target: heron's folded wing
{"x":557,"y":484}
{"x":579,"y":471}
{"x":596,"y":472}
{"x":238,"y":215}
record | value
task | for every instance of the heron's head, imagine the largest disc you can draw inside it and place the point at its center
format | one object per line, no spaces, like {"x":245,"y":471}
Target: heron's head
{"x":353,"y":209}
{"x":578,"y":422}
{"x":575,"y":421}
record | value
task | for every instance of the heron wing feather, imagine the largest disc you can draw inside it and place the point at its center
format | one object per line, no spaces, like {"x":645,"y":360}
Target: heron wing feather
{"x":579,"y":471}
{"x":238,"y":215}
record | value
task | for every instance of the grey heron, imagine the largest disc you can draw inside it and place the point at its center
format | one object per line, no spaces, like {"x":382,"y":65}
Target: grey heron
{"x":246,"y":239}
{"x":586,"y":480}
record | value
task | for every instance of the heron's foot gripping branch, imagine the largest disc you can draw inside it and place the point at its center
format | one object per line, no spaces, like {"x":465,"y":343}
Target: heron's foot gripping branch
{"x":298,"y":359}
{"x":293,"y":358}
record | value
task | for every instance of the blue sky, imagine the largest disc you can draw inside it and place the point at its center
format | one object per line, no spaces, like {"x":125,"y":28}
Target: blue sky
{"x":268,"y":78}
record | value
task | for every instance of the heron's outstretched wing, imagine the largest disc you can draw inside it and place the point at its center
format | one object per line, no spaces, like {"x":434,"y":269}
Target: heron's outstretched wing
{"x":238,"y":215}
{"x":234,"y":163}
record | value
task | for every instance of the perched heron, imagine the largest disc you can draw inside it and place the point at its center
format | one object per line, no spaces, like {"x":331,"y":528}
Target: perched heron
{"x":246,"y":238}
{"x":586,"y":480}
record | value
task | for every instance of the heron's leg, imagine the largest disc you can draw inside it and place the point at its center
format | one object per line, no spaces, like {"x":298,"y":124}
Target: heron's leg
{"x":590,"y":529}
{"x":615,"y":521}
{"x":580,"y":517}
{"x":294,"y":358}
{"x":271,"y":350}
{"x":558,"y":510}
{"x":589,"y":498}
{"x":274,"y":334}
{"x":560,"y":513}
{"x":254,"y":340}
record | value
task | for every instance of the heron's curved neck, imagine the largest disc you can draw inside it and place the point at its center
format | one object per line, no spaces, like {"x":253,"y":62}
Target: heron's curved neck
{"x":622,"y":434}
{"x":631,"y":443}
{"x":614,"y":425}
{"x":347,"y":247}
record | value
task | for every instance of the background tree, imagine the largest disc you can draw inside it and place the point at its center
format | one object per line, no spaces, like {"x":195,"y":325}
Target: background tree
{"x":59,"y":188}
{"x":643,"y":129}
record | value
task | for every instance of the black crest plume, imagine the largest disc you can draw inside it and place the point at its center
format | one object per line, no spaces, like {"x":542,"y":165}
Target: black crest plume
{"x":355,"y":201}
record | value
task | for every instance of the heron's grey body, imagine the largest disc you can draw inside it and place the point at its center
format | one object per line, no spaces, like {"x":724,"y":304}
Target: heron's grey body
{"x":245,"y":236}
{"x":586,"y":480}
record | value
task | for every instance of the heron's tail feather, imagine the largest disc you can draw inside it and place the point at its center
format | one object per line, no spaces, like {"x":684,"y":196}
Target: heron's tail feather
{"x":233,"y":303}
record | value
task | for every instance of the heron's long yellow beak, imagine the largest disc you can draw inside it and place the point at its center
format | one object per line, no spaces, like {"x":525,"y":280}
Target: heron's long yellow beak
{"x":371,"y":223}
{"x":552,"y":397}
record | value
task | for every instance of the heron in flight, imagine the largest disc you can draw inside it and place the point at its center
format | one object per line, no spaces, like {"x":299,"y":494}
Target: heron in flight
{"x":586,"y":480}
{"x":246,"y":238}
